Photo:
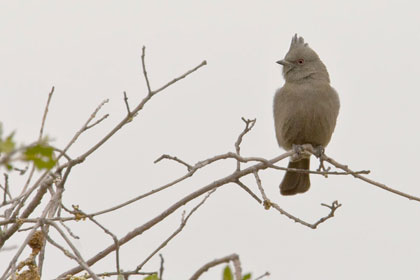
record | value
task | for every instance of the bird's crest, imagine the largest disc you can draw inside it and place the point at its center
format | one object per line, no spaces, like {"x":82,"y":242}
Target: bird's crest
{"x":297,"y":42}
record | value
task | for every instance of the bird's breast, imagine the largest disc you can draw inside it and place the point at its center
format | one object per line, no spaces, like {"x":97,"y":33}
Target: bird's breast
{"x":305,"y":114}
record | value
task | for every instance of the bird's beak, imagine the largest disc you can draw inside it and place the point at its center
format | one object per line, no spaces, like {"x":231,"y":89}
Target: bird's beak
{"x":283,"y":62}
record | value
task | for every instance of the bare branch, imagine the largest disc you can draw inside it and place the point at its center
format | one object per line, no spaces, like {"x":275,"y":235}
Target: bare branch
{"x":243,"y":186}
{"x":6,"y":188}
{"x":123,"y":273}
{"x":4,"y":248}
{"x":161,"y":269}
{"x":12,"y":263}
{"x":97,"y":122}
{"x":51,"y":204}
{"x":84,"y":127}
{"x":165,"y":156}
{"x":268,"y":204}
{"x":29,"y":209}
{"x":325,"y":173}
{"x":180,"y":77}
{"x":114,"y":238}
{"x":68,"y":230}
{"x":128,"y":118}
{"x":238,"y":268}
{"x":138,"y":197}
{"x":215,"y":262}
{"x":249,"y":124}
{"x":77,"y":257}
{"x":262,"y":276}
{"x":363,"y":178}
{"x":232,"y":178}
{"x":181,"y":227}
{"x":44,"y":117}
{"x":143,"y":53}
{"x":127,"y":106}
{"x":334,"y":206}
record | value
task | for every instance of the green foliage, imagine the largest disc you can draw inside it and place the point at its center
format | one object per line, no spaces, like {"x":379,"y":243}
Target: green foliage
{"x":228,"y":275}
{"x":247,"y":276}
{"x":41,"y":155}
{"x":7,"y":145}
{"x":152,"y":277}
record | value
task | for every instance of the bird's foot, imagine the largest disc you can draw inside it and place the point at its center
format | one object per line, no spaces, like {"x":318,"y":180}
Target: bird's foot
{"x":319,"y":152}
{"x":300,"y":152}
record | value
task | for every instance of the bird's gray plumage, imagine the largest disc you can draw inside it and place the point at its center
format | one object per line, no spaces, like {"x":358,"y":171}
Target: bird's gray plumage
{"x":305,"y":109}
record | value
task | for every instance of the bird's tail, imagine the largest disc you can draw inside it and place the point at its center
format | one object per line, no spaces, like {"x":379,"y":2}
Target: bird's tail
{"x":295,"y":182}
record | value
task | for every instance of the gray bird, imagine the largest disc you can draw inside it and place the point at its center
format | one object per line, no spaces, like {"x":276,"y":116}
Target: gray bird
{"x":305,"y":110}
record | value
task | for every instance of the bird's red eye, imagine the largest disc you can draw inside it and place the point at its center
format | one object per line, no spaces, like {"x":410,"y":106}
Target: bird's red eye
{"x":300,"y":61}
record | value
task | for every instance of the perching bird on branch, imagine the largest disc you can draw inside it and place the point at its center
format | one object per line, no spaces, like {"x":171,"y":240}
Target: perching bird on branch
{"x":305,"y":110}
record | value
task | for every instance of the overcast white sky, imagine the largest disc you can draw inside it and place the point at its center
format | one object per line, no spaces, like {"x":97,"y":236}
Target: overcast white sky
{"x":90,"y":51}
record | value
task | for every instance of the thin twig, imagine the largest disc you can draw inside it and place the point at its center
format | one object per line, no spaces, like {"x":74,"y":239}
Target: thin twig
{"x":77,"y":257}
{"x":179,"y":78}
{"x":114,"y":238}
{"x":69,"y":231}
{"x":127,"y":106}
{"x":184,"y":221}
{"x":249,"y":124}
{"x":44,"y":117}
{"x":262,"y":276}
{"x":123,"y":273}
{"x":372,"y":182}
{"x":161,"y":268}
{"x":324,"y":173}
{"x":97,"y":122}
{"x":86,"y":124}
{"x":5,"y":248}
{"x":213,"y":263}
{"x":257,"y":178}
{"x":165,"y":156}
{"x":143,"y":54}
{"x":243,"y":186}
{"x":6,"y":188}
{"x":268,"y":204}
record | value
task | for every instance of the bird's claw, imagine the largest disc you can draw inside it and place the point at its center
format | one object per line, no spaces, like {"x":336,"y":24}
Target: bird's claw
{"x":319,"y":151}
{"x":299,"y":152}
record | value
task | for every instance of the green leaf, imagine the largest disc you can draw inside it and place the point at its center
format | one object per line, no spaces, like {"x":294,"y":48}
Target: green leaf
{"x":152,"y":277}
{"x":247,"y":277}
{"x":227,"y":273}
{"x":41,"y":155}
{"x":7,"y":145}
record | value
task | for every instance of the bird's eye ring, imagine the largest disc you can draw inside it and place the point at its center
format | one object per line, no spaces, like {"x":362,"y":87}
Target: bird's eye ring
{"x":300,"y":61}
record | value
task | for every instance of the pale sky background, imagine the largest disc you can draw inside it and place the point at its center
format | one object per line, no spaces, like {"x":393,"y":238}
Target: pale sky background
{"x":90,"y":51}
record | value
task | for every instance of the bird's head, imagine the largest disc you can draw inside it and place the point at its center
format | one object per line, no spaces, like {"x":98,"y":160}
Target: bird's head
{"x":301,"y":63}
